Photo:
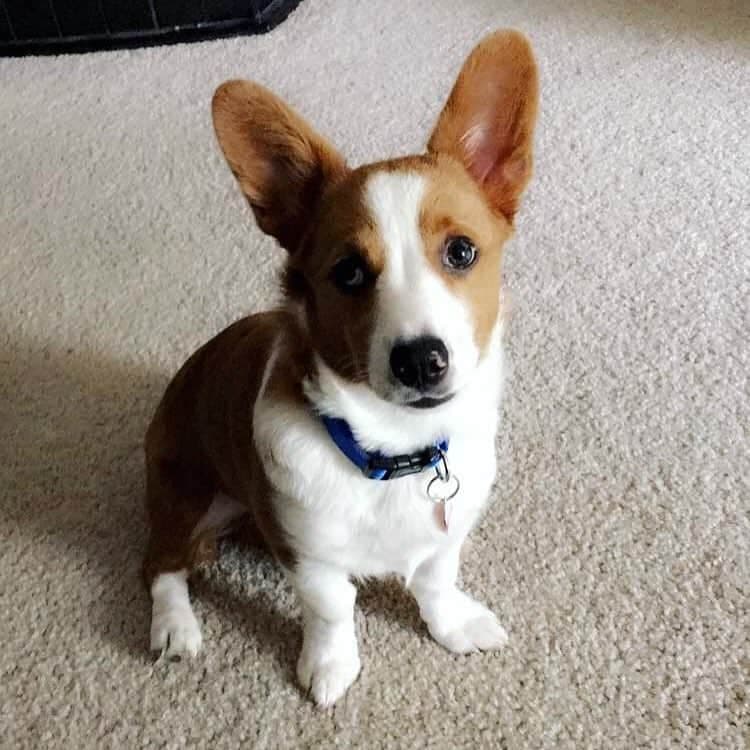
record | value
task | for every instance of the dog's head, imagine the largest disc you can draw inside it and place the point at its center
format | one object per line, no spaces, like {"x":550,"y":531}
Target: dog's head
{"x":396,"y":265}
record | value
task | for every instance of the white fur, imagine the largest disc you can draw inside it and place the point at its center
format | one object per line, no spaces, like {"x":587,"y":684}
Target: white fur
{"x":174,"y":629}
{"x":412,"y":299}
{"x":343,"y":525}
{"x":364,"y":526}
{"x":329,"y":661}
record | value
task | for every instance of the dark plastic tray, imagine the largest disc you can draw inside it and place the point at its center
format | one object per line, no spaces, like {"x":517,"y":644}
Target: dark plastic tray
{"x":53,"y":27}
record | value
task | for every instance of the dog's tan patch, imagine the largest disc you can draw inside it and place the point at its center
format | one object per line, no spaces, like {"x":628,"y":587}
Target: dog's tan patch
{"x":454,"y":206}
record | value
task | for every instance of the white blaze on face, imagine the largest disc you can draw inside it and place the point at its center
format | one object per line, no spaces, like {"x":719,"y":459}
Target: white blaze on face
{"x":412,"y":299}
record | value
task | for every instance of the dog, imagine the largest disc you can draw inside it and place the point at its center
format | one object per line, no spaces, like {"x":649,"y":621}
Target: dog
{"x":353,"y":427}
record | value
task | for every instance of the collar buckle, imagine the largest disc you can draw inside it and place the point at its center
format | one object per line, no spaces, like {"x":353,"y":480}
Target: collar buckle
{"x":393,"y":467}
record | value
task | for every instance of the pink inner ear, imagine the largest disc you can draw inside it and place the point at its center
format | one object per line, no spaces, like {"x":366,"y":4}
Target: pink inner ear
{"x":496,"y":171}
{"x":480,"y":158}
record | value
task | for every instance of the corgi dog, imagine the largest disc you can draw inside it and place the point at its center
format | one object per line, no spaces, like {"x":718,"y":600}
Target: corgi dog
{"x":353,"y":427}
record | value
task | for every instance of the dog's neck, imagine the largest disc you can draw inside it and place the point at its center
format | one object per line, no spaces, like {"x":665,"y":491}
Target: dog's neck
{"x":379,"y":425}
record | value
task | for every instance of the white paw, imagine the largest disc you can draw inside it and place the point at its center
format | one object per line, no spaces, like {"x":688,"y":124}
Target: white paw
{"x":483,"y":633}
{"x":175,"y":632}
{"x":462,"y":625}
{"x":327,"y":680}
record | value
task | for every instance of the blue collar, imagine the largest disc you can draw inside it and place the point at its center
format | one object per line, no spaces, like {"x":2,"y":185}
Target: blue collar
{"x":375,"y":465}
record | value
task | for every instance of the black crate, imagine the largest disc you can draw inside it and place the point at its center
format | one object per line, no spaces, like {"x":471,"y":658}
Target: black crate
{"x":52,"y":27}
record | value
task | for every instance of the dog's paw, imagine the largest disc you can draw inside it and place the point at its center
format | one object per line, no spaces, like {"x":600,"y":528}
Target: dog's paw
{"x":483,"y":633}
{"x":176,"y":633}
{"x":328,"y":680}
{"x":466,"y":626}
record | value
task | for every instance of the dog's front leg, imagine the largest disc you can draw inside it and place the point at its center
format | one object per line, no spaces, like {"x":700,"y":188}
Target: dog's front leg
{"x":455,"y":620}
{"x":329,"y":662}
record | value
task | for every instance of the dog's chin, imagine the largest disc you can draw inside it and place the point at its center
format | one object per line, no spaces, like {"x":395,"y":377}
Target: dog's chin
{"x":429,"y":402}
{"x":409,"y":399}
{"x":416,"y":401}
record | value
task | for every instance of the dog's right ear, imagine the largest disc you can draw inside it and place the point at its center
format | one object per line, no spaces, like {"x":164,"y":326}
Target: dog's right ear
{"x":281,"y":163}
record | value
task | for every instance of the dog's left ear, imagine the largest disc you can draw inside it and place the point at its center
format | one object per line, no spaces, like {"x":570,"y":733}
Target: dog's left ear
{"x":488,"y":121}
{"x":282,"y":164}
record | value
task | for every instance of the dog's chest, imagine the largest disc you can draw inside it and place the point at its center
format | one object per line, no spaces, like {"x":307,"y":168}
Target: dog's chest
{"x":368,"y":527}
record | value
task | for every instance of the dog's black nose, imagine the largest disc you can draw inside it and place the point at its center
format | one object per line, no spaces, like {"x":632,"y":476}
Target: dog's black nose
{"x":420,"y":363}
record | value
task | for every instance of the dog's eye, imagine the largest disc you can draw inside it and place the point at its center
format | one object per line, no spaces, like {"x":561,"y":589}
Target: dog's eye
{"x":459,"y":253}
{"x":350,"y":274}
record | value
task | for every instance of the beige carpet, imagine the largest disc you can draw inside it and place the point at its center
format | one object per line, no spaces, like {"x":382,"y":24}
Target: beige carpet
{"x":617,"y":550}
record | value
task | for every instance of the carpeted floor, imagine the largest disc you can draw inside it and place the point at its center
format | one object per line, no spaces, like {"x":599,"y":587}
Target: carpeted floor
{"x":617,"y":550}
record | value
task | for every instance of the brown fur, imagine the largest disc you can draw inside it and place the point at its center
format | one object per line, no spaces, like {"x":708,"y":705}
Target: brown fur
{"x":200,"y":441}
{"x":281,"y":163}
{"x":340,"y":324}
{"x":497,"y":94}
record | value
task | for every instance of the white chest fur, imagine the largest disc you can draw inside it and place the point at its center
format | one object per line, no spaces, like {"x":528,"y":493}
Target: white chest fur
{"x":368,"y":527}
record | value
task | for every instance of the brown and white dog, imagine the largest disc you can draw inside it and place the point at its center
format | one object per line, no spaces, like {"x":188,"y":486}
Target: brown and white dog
{"x":324,"y":421}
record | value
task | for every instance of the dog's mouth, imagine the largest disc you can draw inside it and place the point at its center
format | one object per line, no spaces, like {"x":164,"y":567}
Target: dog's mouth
{"x":429,"y":402}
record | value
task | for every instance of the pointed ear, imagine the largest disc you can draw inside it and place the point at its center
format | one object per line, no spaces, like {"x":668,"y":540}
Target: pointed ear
{"x":281,"y":163}
{"x":488,"y":121}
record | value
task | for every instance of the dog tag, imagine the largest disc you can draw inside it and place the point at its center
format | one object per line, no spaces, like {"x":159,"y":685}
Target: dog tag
{"x":441,"y":489}
{"x":444,"y":514}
